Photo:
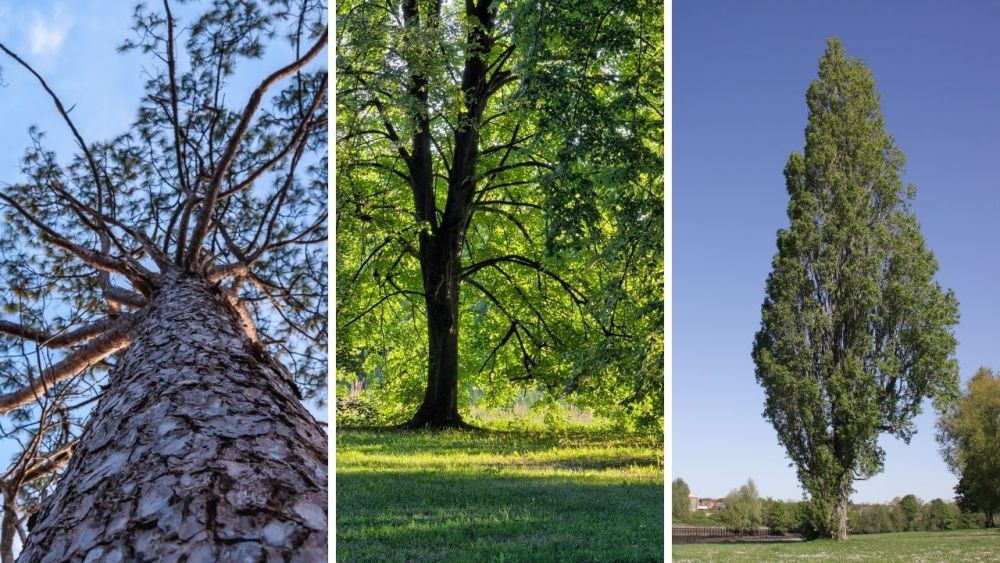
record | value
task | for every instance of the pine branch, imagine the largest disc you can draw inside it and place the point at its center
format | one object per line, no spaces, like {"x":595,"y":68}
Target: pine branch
{"x":204,"y":221}
{"x":113,"y":340}
{"x":58,"y":340}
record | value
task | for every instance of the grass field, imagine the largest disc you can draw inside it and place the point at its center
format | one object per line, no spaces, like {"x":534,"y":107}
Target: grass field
{"x":961,"y":545}
{"x":472,"y":496}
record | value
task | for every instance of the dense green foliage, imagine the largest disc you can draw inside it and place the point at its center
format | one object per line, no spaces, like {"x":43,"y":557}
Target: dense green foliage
{"x":779,"y":516}
{"x":471,"y":496}
{"x":964,"y":545}
{"x":969,"y":433}
{"x":910,"y":507}
{"x":855,"y":332}
{"x":561,"y":263}
{"x":743,"y":507}
{"x":799,"y":517}
{"x":680,"y":506}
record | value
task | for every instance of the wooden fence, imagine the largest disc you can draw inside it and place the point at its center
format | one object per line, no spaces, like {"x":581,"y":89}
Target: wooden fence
{"x":692,"y":533}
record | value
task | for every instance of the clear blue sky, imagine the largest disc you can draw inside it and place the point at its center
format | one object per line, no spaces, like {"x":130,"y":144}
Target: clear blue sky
{"x":740,"y":72}
{"x":72,"y":44}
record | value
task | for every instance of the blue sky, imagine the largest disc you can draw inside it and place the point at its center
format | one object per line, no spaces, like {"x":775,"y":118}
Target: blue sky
{"x":740,"y":72}
{"x":73,"y":45}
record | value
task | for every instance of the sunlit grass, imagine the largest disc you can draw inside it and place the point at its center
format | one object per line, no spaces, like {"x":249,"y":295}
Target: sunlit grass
{"x":960,"y":545}
{"x":460,"y":496}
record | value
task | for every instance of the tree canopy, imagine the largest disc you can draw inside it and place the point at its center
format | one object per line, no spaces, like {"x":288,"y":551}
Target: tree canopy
{"x":516,"y":146}
{"x":855,"y":333}
{"x":743,"y":507}
{"x":969,"y":434}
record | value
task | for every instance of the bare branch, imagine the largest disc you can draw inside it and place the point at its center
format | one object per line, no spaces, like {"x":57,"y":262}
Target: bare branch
{"x":51,"y":462}
{"x":58,"y":340}
{"x":574,"y":293}
{"x":222,"y":168}
{"x":65,"y":115}
{"x":91,"y":258}
{"x":115,"y":339}
{"x":174,"y":113}
{"x":300,"y":132}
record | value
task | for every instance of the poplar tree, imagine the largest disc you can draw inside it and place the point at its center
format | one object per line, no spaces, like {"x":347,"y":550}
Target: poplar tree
{"x":855,"y":333}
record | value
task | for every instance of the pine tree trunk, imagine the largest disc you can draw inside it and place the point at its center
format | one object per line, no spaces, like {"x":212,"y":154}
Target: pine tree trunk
{"x":198,"y":451}
{"x":441,"y":289}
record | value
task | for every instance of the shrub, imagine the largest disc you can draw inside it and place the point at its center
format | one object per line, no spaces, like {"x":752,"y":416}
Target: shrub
{"x":356,"y":410}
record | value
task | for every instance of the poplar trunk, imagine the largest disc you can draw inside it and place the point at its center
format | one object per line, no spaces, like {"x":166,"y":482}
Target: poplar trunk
{"x":199,"y":450}
{"x":840,"y":518}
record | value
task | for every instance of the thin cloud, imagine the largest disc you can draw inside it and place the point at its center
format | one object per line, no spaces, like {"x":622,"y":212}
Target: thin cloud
{"x":47,"y":34}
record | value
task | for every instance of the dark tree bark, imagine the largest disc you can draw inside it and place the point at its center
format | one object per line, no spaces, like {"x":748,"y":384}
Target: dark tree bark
{"x":441,"y":249}
{"x":441,"y":271}
{"x":199,"y":450}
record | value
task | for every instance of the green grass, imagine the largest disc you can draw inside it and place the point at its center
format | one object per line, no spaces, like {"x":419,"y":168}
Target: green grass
{"x":961,"y":545}
{"x":473,"y":496}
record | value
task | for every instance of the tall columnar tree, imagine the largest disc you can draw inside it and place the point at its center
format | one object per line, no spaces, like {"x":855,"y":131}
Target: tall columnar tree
{"x":855,"y":333}
{"x":680,"y":495}
{"x":969,"y":434}
{"x":500,"y":178}
{"x":171,"y":282}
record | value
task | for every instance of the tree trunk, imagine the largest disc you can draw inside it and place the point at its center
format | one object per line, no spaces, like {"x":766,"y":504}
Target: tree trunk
{"x":199,"y":450}
{"x":989,"y":520}
{"x":839,"y":531}
{"x":441,"y":271}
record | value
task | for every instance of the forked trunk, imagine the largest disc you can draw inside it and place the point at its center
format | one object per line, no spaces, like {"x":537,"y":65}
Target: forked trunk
{"x":199,"y":451}
{"x":441,"y":288}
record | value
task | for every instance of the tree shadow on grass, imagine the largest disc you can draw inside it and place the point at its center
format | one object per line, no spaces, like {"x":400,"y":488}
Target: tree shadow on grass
{"x":472,"y":516}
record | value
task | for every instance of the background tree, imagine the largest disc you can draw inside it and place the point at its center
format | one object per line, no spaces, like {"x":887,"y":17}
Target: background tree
{"x":500,"y":178}
{"x":743,"y":508}
{"x":680,"y":501}
{"x":161,"y":281}
{"x":855,"y":333}
{"x":969,"y":431}
{"x":778,"y":516}
{"x":937,"y":515}
{"x":910,"y":506}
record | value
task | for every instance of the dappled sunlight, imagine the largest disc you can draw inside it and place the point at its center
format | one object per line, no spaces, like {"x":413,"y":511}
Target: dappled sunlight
{"x":484,"y":494}
{"x":505,"y":456}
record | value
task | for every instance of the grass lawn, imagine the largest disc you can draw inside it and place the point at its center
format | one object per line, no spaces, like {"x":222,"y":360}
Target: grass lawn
{"x":961,"y":545}
{"x":472,"y":496}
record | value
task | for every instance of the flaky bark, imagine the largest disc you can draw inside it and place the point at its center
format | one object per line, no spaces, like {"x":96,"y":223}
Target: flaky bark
{"x":199,"y":450}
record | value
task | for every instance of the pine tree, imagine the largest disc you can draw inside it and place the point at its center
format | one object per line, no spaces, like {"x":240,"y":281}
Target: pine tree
{"x":165,"y":278}
{"x":855,"y":333}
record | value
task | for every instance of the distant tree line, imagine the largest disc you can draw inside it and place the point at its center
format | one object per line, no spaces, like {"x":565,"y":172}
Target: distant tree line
{"x":744,"y":509}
